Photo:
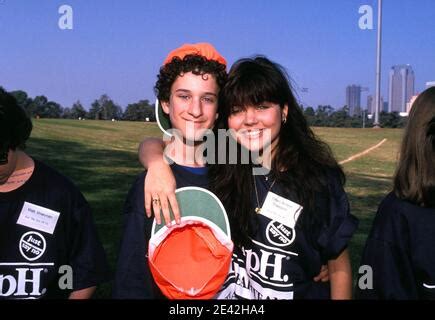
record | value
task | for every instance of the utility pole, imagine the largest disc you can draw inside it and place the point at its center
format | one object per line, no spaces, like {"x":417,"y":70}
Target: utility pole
{"x":378,"y":67}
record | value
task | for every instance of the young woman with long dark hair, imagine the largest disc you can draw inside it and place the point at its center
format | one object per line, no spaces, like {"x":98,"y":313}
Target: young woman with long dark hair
{"x":400,"y":248}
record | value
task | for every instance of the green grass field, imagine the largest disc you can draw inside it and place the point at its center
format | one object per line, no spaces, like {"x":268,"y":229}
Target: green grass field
{"x":101,"y":158}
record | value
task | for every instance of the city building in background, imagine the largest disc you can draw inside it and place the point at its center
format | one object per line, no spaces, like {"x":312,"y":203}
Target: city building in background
{"x":411,"y":103}
{"x":401,"y":87}
{"x":371,"y":105}
{"x":353,"y":99}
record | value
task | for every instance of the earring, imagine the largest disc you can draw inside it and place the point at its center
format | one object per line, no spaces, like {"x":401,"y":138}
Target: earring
{"x":284,"y":120}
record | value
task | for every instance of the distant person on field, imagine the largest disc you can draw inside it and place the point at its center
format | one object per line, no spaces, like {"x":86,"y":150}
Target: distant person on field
{"x":400,"y":248}
{"x":49,"y":246}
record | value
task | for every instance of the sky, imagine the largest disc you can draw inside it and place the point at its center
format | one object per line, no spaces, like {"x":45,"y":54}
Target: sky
{"x":117,"y":46}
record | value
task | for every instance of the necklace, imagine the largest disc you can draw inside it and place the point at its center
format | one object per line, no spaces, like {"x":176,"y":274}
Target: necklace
{"x":258,"y":208}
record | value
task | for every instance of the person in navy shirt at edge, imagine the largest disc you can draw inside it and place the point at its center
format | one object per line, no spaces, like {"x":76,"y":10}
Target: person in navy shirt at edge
{"x":49,"y":246}
{"x":278,"y":251}
{"x":399,"y":252}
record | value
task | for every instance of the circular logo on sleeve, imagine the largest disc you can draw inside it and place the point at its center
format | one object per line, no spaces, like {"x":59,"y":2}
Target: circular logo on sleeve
{"x":279,"y":234}
{"x":32,"y":245}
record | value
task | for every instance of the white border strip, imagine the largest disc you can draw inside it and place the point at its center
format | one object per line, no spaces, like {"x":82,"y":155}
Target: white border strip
{"x":156,"y":110}
{"x":26,"y":264}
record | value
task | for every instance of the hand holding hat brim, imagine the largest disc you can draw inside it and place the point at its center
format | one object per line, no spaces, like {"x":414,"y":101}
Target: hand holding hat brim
{"x":192,"y":260}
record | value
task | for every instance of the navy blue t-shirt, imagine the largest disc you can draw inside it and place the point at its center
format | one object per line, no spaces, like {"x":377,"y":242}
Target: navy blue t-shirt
{"x":281,"y":262}
{"x":33,"y":258}
{"x":133,"y":279}
{"x":400,"y":253}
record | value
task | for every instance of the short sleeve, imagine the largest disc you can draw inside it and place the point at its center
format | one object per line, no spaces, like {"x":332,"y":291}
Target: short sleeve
{"x":133,"y":279}
{"x":391,"y":272}
{"x":87,"y":256}
{"x":388,"y":254}
{"x":340,"y":226}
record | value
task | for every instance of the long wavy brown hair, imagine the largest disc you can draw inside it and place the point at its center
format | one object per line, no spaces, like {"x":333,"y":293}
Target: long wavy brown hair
{"x":302,"y":162}
{"x":415,"y":176}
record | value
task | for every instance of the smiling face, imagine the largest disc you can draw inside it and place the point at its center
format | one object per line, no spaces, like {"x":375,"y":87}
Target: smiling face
{"x":192,"y":105}
{"x":257,"y":127}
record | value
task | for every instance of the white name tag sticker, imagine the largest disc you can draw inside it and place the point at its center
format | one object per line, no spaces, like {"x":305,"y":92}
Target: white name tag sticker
{"x":281,"y":209}
{"x":37,"y":217}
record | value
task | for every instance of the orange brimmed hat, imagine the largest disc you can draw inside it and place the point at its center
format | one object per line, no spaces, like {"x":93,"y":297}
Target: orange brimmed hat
{"x":202,"y":49}
{"x":191,"y":260}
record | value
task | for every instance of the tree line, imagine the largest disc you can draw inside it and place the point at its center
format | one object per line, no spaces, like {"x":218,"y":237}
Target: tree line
{"x":326,"y":116}
{"x":103,"y":108}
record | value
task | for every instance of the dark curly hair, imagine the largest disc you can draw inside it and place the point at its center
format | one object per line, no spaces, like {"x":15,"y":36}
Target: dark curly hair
{"x":15,"y":125}
{"x":196,"y":64}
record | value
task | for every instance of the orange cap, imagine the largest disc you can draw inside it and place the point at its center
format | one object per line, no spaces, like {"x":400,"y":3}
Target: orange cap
{"x":191,"y":260}
{"x":203,"y":49}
